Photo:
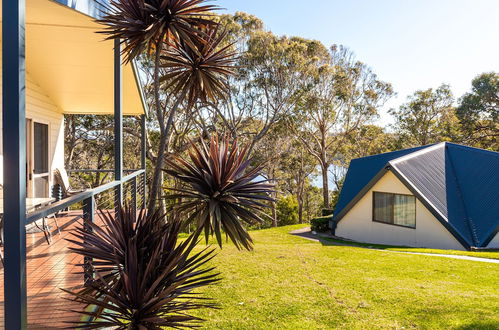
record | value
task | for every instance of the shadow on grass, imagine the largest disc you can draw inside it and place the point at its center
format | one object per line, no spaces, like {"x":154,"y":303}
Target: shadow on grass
{"x":326,"y":240}
{"x":480,"y":325}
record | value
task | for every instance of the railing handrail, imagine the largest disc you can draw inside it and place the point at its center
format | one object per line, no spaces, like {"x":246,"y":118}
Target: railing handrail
{"x":99,"y":170}
{"x":65,"y":203}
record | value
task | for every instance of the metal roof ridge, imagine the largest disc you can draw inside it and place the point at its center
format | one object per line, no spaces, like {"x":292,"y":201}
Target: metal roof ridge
{"x":417,"y":153}
{"x":399,"y":172}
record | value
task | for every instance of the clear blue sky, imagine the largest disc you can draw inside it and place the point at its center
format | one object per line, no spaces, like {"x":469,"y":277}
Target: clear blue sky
{"x":413,"y":44}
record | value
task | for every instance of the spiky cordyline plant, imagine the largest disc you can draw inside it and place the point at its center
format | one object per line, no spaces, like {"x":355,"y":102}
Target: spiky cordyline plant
{"x":155,"y":25}
{"x":220,"y":192}
{"x":145,"y":277}
{"x":201,"y":68}
{"x":192,"y":72}
{"x":145,"y":25}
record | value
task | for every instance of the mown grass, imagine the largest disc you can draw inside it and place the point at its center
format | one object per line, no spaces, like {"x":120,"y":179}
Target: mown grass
{"x":478,"y":254}
{"x":289,"y":282}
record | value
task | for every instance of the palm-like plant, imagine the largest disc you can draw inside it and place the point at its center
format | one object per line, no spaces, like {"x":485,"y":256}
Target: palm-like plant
{"x":148,"y":25}
{"x":145,"y":276}
{"x":199,"y":68}
{"x":220,"y":191}
{"x":152,"y":26}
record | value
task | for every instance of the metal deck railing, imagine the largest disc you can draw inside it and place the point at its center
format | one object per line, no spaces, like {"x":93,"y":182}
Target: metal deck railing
{"x":105,"y":197}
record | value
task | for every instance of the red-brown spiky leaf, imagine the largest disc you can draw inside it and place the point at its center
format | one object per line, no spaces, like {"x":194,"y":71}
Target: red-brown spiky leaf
{"x":220,"y":193}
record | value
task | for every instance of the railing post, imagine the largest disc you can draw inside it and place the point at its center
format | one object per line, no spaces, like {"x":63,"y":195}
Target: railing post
{"x":118,"y":123}
{"x":14,"y":161}
{"x":134,"y":196}
{"x":88,"y":219}
{"x":144,"y":190}
{"x":143,"y":164}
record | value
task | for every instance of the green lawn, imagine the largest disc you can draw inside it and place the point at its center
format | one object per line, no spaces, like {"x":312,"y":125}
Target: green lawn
{"x":292,"y":283}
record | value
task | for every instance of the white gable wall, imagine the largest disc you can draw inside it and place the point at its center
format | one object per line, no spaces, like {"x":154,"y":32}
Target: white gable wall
{"x":494,"y":243}
{"x":357,"y":224}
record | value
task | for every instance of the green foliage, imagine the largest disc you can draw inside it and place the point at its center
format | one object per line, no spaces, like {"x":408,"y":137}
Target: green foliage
{"x":320,"y":224}
{"x":147,"y":25}
{"x":327,"y":212}
{"x":287,"y":210}
{"x":478,"y":112}
{"x":427,"y":117}
{"x":368,"y":140}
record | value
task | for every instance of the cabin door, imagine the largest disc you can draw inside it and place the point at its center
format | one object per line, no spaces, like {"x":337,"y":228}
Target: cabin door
{"x":37,"y":157}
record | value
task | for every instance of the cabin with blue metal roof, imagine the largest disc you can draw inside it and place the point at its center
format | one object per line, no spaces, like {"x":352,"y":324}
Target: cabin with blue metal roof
{"x":443,"y":196}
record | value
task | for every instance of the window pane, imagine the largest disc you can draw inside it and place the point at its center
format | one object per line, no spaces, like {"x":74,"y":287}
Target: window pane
{"x":404,"y":210}
{"x":383,"y":207}
{"x":40,"y":148}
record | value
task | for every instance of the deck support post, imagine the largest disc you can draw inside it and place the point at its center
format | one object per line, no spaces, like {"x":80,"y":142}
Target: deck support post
{"x":118,"y":124}
{"x":14,"y":161}
{"x":134,"y":196}
{"x":88,"y":219}
{"x":143,"y":155}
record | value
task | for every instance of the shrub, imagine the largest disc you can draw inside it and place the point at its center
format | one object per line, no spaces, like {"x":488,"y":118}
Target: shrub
{"x":144,"y":275}
{"x":287,"y":210}
{"x":320,"y":224}
{"x":326,"y":212}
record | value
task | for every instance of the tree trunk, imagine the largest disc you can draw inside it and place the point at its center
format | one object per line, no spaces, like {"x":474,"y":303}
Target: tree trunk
{"x":307,"y":206}
{"x":300,"y":210}
{"x":162,"y":144}
{"x":299,"y":198}
{"x":274,"y":215}
{"x":157,"y":182}
{"x":325,"y":185}
{"x":156,"y":179}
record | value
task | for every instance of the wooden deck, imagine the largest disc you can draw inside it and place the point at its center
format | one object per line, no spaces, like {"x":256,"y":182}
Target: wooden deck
{"x":50,"y":268}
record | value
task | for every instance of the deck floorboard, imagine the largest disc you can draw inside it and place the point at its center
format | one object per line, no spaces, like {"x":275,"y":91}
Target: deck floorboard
{"x":50,"y":268}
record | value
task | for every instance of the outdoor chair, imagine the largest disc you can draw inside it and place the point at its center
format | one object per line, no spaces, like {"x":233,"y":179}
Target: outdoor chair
{"x":62,"y":179}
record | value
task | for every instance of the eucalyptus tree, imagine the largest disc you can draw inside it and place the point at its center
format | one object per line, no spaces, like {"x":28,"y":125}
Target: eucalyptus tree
{"x":299,"y":168}
{"x":270,"y":77}
{"x":427,"y":117}
{"x":344,"y":95}
{"x":478,"y":112}
{"x":272,"y":149}
{"x":89,"y":143}
{"x":369,"y":140}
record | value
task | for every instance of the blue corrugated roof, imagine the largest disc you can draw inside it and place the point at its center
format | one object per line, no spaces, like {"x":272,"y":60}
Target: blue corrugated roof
{"x":360,"y":172}
{"x":477,"y":175}
{"x":459,"y":184}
